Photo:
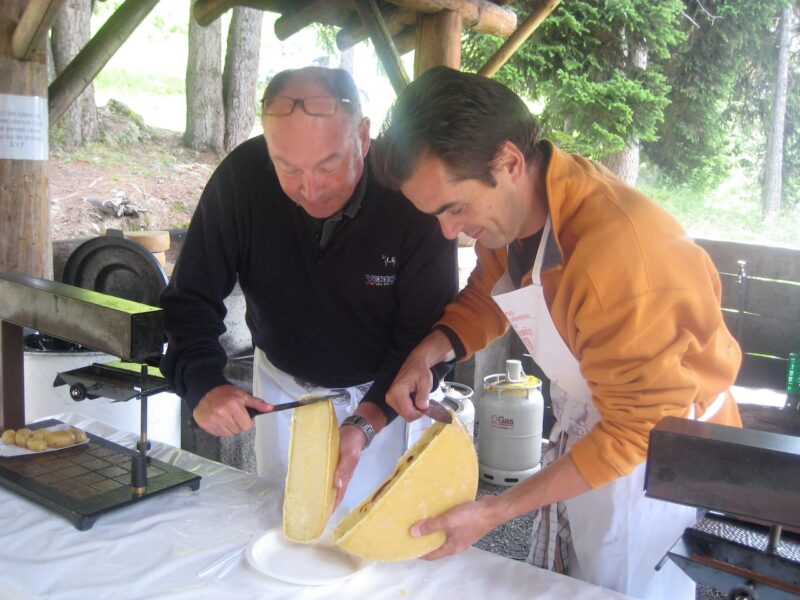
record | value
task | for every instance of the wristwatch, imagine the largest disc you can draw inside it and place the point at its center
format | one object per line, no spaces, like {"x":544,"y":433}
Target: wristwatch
{"x":363,"y":425}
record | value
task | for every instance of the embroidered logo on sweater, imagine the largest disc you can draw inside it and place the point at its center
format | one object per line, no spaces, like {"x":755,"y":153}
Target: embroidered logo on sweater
{"x":379,"y":280}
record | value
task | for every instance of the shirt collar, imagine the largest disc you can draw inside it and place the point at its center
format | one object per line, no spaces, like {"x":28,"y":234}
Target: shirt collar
{"x":350,"y":209}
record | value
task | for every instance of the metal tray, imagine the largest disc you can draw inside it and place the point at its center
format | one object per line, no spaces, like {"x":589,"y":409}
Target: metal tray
{"x":84,"y":482}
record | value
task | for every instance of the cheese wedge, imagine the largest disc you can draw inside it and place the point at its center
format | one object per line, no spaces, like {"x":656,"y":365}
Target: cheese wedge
{"x":313,"y":456}
{"x":439,"y":472}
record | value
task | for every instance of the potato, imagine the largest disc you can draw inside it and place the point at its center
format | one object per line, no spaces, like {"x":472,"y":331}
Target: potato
{"x":21,"y":437}
{"x":37,"y":443}
{"x":9,"y":436}
{"x":80,"y":435}
{"x":60,"y":439}
{"x":39,"y":433}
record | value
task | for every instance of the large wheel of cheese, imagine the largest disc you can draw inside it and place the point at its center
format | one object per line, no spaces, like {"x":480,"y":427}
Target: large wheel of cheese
{"x":439,"y":472}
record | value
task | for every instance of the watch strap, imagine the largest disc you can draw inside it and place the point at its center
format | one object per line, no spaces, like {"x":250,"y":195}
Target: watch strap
{"x":363,"y":425}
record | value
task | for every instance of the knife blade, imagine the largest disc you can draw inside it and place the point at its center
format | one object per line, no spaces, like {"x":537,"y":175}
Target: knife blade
{"x":302,"y":401}
{"x":435,"y":410}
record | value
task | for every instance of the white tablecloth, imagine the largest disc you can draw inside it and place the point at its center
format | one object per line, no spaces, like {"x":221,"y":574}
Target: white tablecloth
{"x":155,"y":549}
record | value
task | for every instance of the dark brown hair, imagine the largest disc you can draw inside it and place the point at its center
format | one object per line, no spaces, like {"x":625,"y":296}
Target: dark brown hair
{"x":460,"y":118}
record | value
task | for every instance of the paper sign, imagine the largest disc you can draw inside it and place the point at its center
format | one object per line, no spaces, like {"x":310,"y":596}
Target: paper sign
{"x":23,"y":127}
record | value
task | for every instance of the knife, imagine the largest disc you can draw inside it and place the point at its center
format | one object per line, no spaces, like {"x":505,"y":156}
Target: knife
{"x":435,"y":410}
{"x":303,"y":401}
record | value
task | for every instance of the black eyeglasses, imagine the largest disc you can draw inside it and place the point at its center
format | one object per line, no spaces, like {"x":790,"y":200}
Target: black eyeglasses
{"x":315,"y":106}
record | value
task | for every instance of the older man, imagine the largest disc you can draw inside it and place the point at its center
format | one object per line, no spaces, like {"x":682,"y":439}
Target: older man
{"x":341,"y":277}
{"x":614,"y":302}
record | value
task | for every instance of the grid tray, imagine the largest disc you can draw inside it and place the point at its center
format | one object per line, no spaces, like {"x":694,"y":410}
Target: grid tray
{"x":84,"y":482}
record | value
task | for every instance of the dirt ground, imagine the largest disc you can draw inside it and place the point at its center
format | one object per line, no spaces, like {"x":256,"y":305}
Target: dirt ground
{"x":134,"y":178}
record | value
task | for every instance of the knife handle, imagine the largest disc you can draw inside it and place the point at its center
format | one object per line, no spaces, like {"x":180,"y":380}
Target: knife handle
{"x":287,"y":405}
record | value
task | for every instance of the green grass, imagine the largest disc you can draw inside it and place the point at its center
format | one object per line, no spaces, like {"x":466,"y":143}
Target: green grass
{"x":137,"y":83}
{"x":730,"y":212}
{"x":101,"y":154}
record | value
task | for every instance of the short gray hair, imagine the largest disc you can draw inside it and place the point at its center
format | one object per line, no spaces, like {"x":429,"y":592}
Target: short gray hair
{"x":338,"y":82}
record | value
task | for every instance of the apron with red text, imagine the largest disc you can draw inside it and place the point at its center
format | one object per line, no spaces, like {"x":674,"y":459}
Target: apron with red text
{"x":614,"y":535}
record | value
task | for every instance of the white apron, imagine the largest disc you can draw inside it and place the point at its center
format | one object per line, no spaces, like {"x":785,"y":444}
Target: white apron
{"x":617,"y":535}
{"x":272,"y":433}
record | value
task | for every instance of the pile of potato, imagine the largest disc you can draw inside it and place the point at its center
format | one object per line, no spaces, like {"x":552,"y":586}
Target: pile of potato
{"x":42,"y":439}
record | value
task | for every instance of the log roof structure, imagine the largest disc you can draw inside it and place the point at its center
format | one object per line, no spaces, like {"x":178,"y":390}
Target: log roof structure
{"x":430,"y":27}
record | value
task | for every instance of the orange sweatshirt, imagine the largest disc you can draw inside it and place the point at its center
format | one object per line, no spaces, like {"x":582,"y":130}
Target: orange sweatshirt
{"x":636,"y":302}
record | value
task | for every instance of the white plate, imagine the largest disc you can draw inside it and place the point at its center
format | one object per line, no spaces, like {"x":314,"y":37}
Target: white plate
{"x":302,"y":564}
{"x":8,"y":450}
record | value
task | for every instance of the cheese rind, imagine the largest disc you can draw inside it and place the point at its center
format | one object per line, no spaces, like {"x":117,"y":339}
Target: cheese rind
{"x":436,"y":474}
{"x":313,"y":456}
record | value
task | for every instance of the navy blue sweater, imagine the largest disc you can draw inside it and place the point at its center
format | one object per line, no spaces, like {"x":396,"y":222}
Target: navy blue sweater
{"x":336,"y":317}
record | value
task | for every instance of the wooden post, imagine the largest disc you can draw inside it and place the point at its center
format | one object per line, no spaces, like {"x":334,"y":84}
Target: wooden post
{"x":438,"y":41}
{"x":24,"y":207}
{"x":90,"y":61}
{"x":516,"y":39}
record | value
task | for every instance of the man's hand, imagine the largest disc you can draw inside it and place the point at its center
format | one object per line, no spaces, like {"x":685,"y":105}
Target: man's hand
{"x":464,"y":525}
{"x":351,"y":443}
{"x":414,"y":380}
{"x":222,"y":410}
{"x":467,"y":523}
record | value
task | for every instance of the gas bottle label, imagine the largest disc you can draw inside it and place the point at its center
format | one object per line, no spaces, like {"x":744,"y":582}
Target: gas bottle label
{"x":23,"y":127}
{"x":501,"y":422}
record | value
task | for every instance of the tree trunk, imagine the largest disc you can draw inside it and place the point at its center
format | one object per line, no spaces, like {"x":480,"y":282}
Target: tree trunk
{"x":71,"y":31}
{"x":205,"y":116}
{"x":51,"y":69}
{"x":773,"y":166}
{"x":347,"y":59}
{"x":625,"y":163}
{"x":241,"y":74}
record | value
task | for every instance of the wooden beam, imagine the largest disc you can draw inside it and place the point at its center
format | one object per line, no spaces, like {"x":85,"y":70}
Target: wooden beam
{"x":519,"y":37}
{"x":319,"y":11}
{"x":206,"y":12}
{"x":95,"y":54}
{"x":481,"y":15}
{"x":396,"y":20}
{"x":438,"y":41}
{"x":406,"y":40}
{"x":384,"y":45}
{"x":33,"y":27}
